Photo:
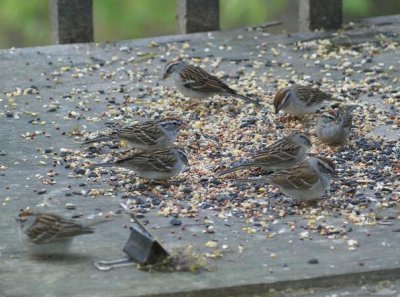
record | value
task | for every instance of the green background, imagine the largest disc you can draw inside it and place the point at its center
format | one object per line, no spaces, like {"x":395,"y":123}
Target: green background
{"x":26,"y":22}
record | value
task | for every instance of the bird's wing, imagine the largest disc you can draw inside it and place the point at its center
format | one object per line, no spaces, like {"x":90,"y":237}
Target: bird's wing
{"x":160,"y":160}
{"x":197,"y":79}
{"x":279,"y":152}
{"x":145,"y":133}
{"x":50,"y":227}
{"x":312,"y":96}
{"x":163,"y":161}
{"x":300,"y":177}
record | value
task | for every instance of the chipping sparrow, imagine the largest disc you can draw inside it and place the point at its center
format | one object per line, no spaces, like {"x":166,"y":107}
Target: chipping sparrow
{"x":307,"y":181}
{"x":194,"y":82}
{"x":334,"y":126}
{"x":282,"y":154}
{"x":148,"y":135}
{"x":154,"y":165}
{"x":299,"y":100}
{"x":49,"y":234}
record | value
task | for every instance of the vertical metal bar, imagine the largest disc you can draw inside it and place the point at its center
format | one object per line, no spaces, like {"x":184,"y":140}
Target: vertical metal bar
{"x":71,"y":21}
{"x":320,"y":14}
{"x":197,"y":16}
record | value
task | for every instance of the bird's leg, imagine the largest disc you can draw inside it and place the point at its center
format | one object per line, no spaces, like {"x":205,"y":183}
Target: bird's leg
{"x":288,"y":118}
{"x":164,"y":182}
{"x":193,"y":103}
{"x":310,"y":203}
{"x":307,"y":122}
{"x":295,"y":203}
{"x":129,"y":150}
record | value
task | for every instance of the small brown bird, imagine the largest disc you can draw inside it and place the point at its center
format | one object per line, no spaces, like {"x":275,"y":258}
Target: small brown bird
{"x":49,"y":234}
{"x":334,"y":126}
{"x":154,"y":165}
{"x":148,"y":135}
{"x":306,"y":181}
{"x":282,"y":154}
{"x":300,"y":100}
{"x":194,"y":82}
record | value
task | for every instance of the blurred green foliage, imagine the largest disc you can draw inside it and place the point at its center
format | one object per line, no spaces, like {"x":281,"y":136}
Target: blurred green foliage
{"x":26,"y":22}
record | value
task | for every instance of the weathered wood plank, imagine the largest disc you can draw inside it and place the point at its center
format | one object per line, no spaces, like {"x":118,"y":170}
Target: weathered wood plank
{"x":197,"y":16}
{"x":320,"y":14}
{"x":270,"y":243}
{"x":71,"y":21}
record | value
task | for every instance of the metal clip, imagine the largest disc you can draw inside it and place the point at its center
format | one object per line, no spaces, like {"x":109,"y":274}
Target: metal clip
{"x":141,"y":248}
{"x":108,"y":265}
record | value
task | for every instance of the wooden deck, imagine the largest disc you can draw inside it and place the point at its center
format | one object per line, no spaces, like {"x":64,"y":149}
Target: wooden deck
{"x":262,"y":244}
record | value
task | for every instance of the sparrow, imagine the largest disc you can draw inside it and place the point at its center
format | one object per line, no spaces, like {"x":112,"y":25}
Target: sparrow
{"x":148,"y":135}
{"x":194,"y":82}
{"x":154,"y":165}
{"x":49,"y":234}
{"x":306,"y":181}
{"x":333,"y":126}
{"x":282,"y":154}
{"x":300,"y":100}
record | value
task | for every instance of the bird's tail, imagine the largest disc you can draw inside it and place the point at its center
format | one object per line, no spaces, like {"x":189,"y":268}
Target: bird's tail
{"x":247,"y":99}
{"x":232,"y":169}
{"x":330,"y":97}
{"x":98,"y":222}
{"x":258,"y":180}
{"x":349,"y":108}
{"x":106,"y":164}
{"x":99,"y":139}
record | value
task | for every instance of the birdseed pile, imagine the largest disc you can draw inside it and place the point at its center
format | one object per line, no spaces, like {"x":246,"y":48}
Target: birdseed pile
{"x":223,"y":131}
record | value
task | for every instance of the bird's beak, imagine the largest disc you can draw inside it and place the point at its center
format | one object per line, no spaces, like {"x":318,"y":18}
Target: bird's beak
{"x":165,"y":76}
{"x":19,"y":220}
